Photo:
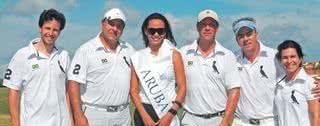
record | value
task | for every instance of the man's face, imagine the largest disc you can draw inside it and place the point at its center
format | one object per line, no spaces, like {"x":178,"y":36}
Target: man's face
{"x":207,"y":29}
{"x":49,"y":32}
{"x":112,"y":29}
{"x":247,"y":39}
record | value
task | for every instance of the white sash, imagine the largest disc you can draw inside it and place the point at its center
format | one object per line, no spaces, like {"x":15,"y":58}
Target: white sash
{"x":149,"y":80}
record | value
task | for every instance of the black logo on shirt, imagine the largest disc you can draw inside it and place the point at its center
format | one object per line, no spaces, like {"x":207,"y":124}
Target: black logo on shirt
{"x":215,"y":67}
{"x":262,"y":72}
{"x":294,"y":100}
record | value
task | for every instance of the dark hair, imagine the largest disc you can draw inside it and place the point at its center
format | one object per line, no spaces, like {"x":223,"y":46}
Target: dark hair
{"x":289,"y":44}
{"x":167,"y":28}
{"x":52,"y":14}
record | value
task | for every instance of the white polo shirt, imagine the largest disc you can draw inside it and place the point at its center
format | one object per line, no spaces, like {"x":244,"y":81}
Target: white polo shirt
{"x":291,"y":100}
{"x":258,"y":84}
{"x":104,"y":75}
{"x":41,"y":81}
{"x":209,"y":78}
{"x":162,"y":65}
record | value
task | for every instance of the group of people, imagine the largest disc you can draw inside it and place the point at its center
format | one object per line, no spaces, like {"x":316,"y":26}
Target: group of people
{"x":212,"y":85}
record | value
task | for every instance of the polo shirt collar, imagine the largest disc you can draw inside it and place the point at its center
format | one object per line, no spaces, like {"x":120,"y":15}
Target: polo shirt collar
{"x":218,"y":49}
{"x":299,"y":79}
{"x":263,"y":52}
{"x":99,"y":46}
{"x":34,"y":51}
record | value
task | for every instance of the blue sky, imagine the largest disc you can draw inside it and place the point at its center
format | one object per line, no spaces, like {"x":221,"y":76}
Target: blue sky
{"x":277,"y":20}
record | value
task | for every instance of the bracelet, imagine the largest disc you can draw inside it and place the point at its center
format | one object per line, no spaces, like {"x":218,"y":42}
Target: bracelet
{"x":172,"y":111}
{"x":178,"y":103}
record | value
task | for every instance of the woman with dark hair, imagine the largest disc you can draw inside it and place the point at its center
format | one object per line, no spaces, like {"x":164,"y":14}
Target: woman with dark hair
{"x":294,"y":103}
{"x":156,"y":71}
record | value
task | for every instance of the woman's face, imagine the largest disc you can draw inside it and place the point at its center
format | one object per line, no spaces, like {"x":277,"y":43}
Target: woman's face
{"x":290,"y":60}
{"x":155,"y":32}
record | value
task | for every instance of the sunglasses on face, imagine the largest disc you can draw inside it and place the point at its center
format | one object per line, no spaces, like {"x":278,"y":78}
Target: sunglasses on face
{"x":153,"y":31}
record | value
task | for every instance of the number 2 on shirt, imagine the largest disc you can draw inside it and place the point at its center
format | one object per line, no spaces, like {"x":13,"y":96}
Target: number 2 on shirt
{"x":76,"y":69}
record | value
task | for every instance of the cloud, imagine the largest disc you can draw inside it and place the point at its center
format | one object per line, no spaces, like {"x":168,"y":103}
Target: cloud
{"x":26,"y":7}
{"x":16,"y":32}
{"x":184,"y":28}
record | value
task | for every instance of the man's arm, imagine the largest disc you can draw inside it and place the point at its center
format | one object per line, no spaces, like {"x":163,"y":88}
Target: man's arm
{"x":233,"y":98}
{"x":13,"y":101}
{"x":74,"y":95}
{"x":316,"y":90}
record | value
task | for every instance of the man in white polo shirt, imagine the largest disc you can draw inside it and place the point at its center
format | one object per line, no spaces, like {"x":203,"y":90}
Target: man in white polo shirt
{"x":213,"y":83}
{"x":37,"y":74}
{"x":99,"y":76}
{"x":259,"y":72}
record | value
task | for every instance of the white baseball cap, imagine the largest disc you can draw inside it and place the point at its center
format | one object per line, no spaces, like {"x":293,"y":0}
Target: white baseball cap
{"x":208,"y":13}
{"x":115,"y":13}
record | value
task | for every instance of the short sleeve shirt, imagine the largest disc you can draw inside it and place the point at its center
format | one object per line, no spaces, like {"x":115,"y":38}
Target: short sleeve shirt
{"x":41,"y":81}
{"x":209,"y":78}
{"x":258,"y":83}
{"x":104,"y":75}
{"x":291,"y":100}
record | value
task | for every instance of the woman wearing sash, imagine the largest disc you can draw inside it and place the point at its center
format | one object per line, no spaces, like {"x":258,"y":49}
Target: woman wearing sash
{"x":156,"y":72}
{"x":294,"y":102}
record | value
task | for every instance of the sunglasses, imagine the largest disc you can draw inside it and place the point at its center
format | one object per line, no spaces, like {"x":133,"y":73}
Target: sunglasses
{"x":153,"y":31}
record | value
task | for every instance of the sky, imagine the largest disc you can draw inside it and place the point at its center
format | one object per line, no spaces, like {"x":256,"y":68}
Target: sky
{"x":277,"y":20}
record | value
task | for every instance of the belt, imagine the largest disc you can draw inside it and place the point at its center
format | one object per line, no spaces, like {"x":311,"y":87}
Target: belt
{"x":255,"y":121}
{"x":207,"y":116}
{"x":107,"y":108}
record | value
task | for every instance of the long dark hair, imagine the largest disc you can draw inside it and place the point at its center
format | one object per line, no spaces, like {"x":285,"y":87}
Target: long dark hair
{"x":168,"y":31}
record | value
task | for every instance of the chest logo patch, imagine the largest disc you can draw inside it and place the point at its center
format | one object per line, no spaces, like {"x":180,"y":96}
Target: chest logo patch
{"x":214,"y":67}
{"x":35,"y":67}
{"x":190,"y":63}
{"x":294,"y":99}
{"x":103,"y":61}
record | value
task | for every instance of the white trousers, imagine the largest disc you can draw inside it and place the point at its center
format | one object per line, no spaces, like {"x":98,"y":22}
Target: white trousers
{"x":191,"y":120}
{"x":104,"y":118}
{"x":264,"y":122}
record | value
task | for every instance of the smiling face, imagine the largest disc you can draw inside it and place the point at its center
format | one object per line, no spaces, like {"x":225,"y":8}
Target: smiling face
{"x":247,"y":39}
{"x":112,"y":30}
{"x":49,"y":32}
{"x":290,"y":60}
{"x":207,"y":29}
{"x":155,"y":32}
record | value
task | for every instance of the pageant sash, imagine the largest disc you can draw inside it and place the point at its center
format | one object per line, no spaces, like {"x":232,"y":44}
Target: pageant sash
{"x":150,"y":82}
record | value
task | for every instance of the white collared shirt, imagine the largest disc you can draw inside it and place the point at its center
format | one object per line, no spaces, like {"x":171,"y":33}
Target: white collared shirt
{"x":291,"y":100}
{"x":41,"y":81}
{"x":162,"y":64}
{"x":104,"y":76}
{"x":209,"y":78}
{"x":258,"y":83}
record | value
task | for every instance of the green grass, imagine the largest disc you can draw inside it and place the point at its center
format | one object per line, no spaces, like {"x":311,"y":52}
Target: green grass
{"x":4,"y":111}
